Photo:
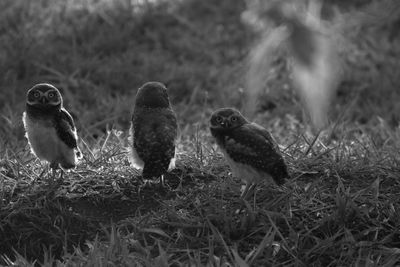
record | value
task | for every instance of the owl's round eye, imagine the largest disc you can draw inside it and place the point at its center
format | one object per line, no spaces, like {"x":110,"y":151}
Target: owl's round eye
{"x":219,"y":119}
{"x":36,"y":94}
{"x":51,"y":95}
{"x":234,"y":118}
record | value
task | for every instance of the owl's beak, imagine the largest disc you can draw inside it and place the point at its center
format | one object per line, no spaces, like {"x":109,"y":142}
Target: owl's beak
{"x":225,"y":124}
{"x":43,"y":100}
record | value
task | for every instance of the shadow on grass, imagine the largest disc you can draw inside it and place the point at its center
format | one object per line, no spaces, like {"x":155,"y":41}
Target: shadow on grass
{"x":127,"y":197}
{"x":56,"y":217}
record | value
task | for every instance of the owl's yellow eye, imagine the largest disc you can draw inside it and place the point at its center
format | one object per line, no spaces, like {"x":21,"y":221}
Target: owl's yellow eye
{"x":234,"y":118}
{"x":36,"y":94}
{"x":51,"y":95}
{"x":219,"y":119}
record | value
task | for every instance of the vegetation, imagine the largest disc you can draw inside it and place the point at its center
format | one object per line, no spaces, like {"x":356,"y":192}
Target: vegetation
{"x":341,"y":207}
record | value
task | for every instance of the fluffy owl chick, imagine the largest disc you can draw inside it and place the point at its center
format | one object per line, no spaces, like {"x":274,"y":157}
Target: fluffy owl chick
{"x":153,"y":131}
{"x":250,"y":150}
{"x":50,"y":129}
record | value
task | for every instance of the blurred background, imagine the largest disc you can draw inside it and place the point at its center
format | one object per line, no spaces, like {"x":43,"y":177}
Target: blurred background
{"x":98,"y":52}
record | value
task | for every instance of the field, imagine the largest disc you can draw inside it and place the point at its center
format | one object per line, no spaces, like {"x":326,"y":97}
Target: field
{"x":340,"y":208}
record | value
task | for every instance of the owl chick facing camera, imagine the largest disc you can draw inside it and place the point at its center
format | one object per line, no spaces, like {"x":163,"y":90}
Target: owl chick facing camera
{"x":50,"y":129}
{"x":153,"y":132}
{"x":251,"y":152}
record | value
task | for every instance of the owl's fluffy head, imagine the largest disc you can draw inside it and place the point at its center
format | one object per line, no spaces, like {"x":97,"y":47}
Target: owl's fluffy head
{"x":152,"y":95}
{"x":44,"y":96}
{"x":226,"y":118}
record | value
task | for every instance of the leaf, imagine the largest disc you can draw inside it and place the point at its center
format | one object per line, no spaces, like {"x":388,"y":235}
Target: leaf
{"x":238,"y":260}
{"x":155,"y":231}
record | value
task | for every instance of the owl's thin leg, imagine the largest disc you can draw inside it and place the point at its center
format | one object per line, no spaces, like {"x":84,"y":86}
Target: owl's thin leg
{"x":61,"y":174}
{"x":252,"y":189}
{"x":248,"y":190}
{"x":146,"y":183}
{"x":254,"y":194}
{"x":53,"y":173}
{"x":139,"y":190}
{"x":245,"y":191}
{"x":162,"y":182}
{"x":54,"y":167}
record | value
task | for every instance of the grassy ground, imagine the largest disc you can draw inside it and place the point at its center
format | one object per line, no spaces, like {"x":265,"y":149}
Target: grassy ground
{"x":341,"y":207}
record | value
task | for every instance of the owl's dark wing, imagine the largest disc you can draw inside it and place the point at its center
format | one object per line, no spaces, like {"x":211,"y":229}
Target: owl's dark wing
{"x":65,"y":128}
{"x":252,"y":145}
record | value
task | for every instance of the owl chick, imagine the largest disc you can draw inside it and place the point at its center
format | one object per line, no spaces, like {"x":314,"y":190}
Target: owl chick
{"x":50,"y":129}
{"x":250,"y":150}
{"x":153,"y":132}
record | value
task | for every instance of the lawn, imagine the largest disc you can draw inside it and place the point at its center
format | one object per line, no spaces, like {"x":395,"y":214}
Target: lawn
{"x":341,"y":206}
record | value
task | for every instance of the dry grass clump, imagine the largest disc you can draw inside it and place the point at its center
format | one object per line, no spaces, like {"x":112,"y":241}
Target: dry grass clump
{"x":340,"y":208}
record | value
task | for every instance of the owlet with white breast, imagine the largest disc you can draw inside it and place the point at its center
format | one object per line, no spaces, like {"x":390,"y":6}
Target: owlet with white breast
{"x":249,"y":149}
{"x":49,"y":127}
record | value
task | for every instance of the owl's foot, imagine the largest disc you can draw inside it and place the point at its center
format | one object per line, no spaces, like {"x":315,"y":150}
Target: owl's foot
{"x":151,"y":182}
{"x":151,"y":186}
{"x":53,"y":174}
{"x":53,"y":167}
{"x":162,"y":181}
{"x":55,"y":179}
{"x":61,"y":175}
{"x":146,"y":183}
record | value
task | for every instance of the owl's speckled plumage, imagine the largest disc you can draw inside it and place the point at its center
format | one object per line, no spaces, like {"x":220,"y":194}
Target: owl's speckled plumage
{"x":50,"y":129}
{"x":250,"y":150}
{"x":153,"y":131}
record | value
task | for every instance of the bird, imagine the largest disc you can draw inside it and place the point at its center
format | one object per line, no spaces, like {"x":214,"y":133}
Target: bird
{"x":153,"y":132}
{"x":250,"y":150}
{"x":50,"y":129}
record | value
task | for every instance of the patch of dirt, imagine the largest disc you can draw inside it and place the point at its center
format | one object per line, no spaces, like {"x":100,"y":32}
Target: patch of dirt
{"x":125,"y":198}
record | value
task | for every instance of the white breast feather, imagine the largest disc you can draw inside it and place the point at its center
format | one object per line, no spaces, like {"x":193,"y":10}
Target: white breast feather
{"x":46,"y":144}
{"x":134,"y":158}
{"x":246,"y":172}
{"x":172,"y":162}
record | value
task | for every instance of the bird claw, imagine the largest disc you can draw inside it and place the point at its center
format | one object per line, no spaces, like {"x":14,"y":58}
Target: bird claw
{"x":146,"y":183}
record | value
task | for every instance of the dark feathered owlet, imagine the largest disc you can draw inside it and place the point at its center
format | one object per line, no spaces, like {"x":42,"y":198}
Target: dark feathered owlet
{"x":250,"y":150}
{"x":50,"y":129}
{"x":153,"y":131}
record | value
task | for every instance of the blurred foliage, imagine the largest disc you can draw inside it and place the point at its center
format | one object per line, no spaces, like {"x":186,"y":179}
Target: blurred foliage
{"x":365,"y":37}
{"x":294,"y":31}
{"x":99,"y":52}
{"x":371,"y":51}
